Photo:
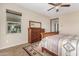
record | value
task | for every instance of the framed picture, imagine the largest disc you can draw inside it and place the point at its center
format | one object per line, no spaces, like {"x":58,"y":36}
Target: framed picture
{"x":34,"y":24}
{"x":14,"y":28}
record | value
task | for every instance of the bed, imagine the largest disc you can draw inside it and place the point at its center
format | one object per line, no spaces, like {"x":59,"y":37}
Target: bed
{"x":60,"y":44}
{"x":46,"y":35}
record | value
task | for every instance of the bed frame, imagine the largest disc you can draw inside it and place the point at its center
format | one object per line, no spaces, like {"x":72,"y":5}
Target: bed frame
{"x":48,"y":34}
{"x":45,"y":35}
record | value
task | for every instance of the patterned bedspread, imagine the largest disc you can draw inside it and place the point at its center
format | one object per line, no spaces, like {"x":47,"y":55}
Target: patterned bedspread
{"x":68,"y":46}
{"x":63,"y":45}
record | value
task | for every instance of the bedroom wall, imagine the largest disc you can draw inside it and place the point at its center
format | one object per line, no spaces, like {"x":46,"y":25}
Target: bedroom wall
{"x":69,"y":23}
{"x":0,"y":22}
{"x":8,"y":39}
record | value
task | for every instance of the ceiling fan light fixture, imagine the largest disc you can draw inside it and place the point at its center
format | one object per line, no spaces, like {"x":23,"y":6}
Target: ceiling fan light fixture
{"x":57,"y":10}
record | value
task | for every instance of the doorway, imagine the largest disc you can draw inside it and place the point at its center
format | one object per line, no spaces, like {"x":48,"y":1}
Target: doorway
{"x":54,"y":25}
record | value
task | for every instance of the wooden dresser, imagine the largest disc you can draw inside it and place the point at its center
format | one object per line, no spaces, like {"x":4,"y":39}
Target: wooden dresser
{"x":34,"y":34}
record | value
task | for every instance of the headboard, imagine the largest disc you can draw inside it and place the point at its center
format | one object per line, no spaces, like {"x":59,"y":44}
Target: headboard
{"x":48,"y":34}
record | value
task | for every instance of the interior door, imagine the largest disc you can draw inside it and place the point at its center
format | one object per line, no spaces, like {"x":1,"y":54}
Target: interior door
{"x":54,"y":25}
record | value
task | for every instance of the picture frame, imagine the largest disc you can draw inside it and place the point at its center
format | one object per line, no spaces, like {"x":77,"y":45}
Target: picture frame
{"x":14,"y":28}
{"x":34,"y":24}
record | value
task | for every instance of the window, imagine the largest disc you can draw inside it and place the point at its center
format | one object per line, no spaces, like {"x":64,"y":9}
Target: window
{"x":13,"y":21}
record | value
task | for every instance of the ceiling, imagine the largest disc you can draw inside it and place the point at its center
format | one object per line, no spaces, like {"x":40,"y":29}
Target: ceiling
{"x":42,"y":8}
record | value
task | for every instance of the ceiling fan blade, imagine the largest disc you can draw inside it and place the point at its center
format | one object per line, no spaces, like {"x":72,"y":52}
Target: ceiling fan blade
{"x":55,"y":4}
{"x":65,"y":5}
{"x":52,"y":4}
{"x":51,"y":8}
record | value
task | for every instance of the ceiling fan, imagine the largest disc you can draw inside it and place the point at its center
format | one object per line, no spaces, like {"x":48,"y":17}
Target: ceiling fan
{"x":58,"y":5}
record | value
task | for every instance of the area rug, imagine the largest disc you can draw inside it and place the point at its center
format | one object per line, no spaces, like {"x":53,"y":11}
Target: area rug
{"x":31,"y":51}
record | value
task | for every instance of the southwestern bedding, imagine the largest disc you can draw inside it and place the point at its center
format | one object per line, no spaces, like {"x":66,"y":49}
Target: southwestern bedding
{"x":62,"y":45}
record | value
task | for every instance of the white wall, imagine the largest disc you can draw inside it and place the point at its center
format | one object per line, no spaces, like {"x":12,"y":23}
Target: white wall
{"x":69,"y":23}
{"x":0,"y":22}
{"x":7,"y":39}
